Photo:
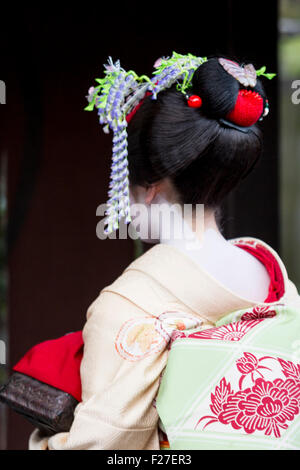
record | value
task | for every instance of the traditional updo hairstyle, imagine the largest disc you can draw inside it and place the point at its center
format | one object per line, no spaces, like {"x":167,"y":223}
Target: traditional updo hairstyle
{"x":203,"y":157}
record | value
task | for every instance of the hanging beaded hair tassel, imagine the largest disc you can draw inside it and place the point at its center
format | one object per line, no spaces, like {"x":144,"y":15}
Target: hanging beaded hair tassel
{"x":116,"y":95}
{"x":109,"y":98}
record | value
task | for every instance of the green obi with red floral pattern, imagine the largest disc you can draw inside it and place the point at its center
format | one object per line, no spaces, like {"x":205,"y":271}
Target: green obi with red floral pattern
{"x":235,"y":386}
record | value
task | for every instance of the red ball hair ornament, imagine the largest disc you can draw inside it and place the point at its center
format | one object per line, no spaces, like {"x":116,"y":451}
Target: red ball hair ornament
{"x":194,"y":101}
{"x":248,"y":108}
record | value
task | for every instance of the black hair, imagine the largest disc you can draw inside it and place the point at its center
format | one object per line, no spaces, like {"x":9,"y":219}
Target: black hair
{"x":203,"y":158}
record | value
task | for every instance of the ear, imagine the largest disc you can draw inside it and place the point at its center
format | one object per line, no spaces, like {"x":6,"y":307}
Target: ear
{"x":151,"y":192}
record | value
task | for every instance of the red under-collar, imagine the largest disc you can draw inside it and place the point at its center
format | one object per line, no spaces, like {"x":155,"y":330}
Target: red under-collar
{"x":276,"y":287}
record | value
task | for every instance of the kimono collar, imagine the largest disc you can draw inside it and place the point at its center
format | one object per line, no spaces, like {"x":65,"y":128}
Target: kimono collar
{"x":191,"y":285}
{"x":164,"y":274}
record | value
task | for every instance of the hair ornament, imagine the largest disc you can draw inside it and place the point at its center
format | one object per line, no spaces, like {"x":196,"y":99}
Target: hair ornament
{"x":232,"y":125}
{"x":178,"y":68}
{"x":245,"y":75}
{"x":267,"y":109}
{"x":248,"y":108}
{"x":194,"y":101}
{"x":119,"y":93}
{"x":117,"y":97}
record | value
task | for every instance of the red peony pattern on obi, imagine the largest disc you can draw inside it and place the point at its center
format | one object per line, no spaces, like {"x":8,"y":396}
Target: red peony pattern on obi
{"x":290,"y":369}
{"x":268,"y":406}
{"x":258,"y":313}
{"x":222,"y":393}
{"x":230,"y":332}
{"x":248,"y":365}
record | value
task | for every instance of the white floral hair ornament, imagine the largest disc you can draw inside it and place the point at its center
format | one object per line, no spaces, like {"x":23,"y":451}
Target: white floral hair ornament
{"x":245,"y":75}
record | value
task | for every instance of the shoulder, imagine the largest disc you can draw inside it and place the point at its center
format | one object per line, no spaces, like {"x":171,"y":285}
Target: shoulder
{"x":138,"y":287}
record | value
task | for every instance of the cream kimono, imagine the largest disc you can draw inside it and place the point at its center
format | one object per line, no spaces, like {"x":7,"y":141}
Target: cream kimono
{"x":127,"y":338}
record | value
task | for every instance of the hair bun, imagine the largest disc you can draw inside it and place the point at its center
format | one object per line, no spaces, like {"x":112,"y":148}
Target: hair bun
{"x":224,"y":96}
{"x":201,"y":156}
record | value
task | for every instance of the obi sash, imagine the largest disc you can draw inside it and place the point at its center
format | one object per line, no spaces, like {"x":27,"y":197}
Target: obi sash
{"x":237,"y":385}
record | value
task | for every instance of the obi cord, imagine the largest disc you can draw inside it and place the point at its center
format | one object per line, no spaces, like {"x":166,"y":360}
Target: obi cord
{"x":119,"y":93}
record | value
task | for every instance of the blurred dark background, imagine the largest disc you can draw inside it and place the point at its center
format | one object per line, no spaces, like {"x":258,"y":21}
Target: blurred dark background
{"x":55,"y":160}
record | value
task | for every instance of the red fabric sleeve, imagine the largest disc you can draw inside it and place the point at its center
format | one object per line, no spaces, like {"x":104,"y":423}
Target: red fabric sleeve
{"x":56,"y":363}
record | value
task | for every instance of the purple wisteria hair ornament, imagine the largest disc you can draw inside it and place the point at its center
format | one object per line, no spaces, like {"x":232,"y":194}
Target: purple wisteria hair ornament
{"x":115,"y":96}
